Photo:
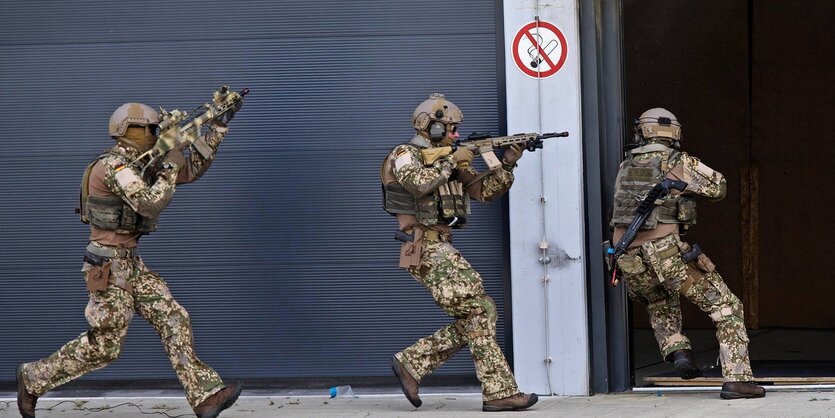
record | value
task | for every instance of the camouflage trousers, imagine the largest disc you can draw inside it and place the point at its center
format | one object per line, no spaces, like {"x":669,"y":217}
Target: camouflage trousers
{"x":458,"y":290}
{"x":656,"y":274}
{"x":109,"y":313}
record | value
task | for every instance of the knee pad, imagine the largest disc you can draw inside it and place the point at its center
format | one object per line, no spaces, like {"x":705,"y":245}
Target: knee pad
{"x":484,"y":306}
{"x":731,"y":309}
{"x":178,"y":322}
{"x":489,"y":306}
{"x":482,"y":318}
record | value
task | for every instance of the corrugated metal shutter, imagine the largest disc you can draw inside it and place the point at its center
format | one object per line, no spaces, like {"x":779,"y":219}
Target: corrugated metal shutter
{"x":281,"y":253}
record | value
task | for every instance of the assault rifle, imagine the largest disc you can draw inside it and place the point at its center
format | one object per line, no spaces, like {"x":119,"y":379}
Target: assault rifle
{"x":178,"y":127}
{"x":660,"y":191}
{"x":483,"y":144}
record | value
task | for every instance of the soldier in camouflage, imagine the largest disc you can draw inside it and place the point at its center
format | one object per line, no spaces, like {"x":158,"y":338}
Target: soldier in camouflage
{"x":122,"y":203}
{"x":429,"y":201}
{"x":654,"y":267}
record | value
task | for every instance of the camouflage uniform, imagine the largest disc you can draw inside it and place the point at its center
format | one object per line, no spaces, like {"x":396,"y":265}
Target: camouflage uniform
{"x":131,"y":286}
{"x":656,"y":274}
{"x":453,"y":283}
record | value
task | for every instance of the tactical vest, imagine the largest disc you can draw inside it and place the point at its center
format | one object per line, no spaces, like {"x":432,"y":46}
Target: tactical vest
{"x":639,"y":173}
{"x":449,"y":204}
{"x":110,"y":213}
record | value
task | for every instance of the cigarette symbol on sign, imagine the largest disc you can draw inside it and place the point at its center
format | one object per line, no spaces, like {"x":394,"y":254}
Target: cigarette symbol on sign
{"x":533,"y":51}
{"x":539,"y":49}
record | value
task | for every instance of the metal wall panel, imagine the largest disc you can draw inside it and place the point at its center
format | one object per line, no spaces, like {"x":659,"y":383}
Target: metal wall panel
{"x":281,"y":252}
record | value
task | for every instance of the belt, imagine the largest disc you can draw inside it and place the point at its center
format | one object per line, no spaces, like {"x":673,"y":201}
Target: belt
{"x":108,"y":251}
{"x":667,"y":253}
{"x":433,"y":235}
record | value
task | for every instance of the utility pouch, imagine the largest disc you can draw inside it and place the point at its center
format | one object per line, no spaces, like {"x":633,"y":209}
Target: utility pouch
{"x":631,"y":264}
{"x":453,"y":203}
{"x":96,"y":276}
{"x":410,"y":250}
{"x":686,"y":211}
{"x":705,"y":264}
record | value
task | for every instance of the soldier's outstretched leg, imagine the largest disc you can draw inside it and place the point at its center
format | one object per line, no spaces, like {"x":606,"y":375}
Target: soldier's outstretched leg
{"x":109,"y":313}
{"x":204,"y":388}
{"x":710,"y":293}
{"x":428,"y":353}
{"x":458,"y":289}
{"x":424,"y":356}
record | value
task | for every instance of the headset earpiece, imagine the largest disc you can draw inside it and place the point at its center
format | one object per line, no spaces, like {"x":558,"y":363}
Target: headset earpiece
{"x":437,"y":131}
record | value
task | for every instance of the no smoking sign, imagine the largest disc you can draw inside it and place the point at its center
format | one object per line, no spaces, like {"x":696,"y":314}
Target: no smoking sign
{"x":539,"y":49}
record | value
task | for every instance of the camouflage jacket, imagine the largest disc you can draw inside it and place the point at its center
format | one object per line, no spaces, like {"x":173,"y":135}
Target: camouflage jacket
{"x":147,"y":195}
{"x":701,"y":181}
{"x":420,"y":180}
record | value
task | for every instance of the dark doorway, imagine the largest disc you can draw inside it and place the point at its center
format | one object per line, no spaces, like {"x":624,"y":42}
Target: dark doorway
{"x":752,"y":83}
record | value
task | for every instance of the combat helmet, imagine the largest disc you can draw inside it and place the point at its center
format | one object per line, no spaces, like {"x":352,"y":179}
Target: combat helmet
{"x":434,"y":114}
{"x":657,"y":123}
{"x":131,"y":114}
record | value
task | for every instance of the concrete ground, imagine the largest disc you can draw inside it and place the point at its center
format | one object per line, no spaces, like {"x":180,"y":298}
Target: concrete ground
{"x":466,"y":401}
{"x":458,"y":403}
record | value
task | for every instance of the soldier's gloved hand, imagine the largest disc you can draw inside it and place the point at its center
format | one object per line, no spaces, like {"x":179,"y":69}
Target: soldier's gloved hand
{"x":512,"y":154}
{"x":175,"y":156}
{"x":169,"y":170}
{"x":462,"y":157}
{"x":227,"y":116}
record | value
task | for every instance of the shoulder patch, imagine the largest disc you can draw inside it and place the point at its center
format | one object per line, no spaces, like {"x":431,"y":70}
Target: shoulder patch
{"x":702,"y":168}
{"x":114,"y":162}
{"x":126,"y":178}
{"x":402,"y":158}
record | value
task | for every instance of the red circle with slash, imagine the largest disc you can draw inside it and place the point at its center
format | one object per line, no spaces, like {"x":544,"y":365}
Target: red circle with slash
{"x":544,"y":48}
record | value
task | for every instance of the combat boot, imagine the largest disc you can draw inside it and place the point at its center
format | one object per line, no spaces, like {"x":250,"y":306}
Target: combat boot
{"x":213,"y":405}
{"x":25,"y":400}
{"x":511,"y":403}
{"x":407,"y":383}
{"x":685,"y":364}
{"x":741,"y":390}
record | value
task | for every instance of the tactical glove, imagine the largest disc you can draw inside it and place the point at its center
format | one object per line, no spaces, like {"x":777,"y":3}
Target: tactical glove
{"x":227,"y":116}
{"x":512,"y":154}
{"x":169,"y":167}
{"x":175,"y":156}
{"x":462,"y":157}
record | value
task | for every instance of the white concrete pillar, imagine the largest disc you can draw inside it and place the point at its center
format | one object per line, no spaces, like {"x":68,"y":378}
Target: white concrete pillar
{"x":550,"y":322}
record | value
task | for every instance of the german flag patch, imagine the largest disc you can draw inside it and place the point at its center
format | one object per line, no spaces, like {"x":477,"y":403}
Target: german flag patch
{"x":402,"y":158}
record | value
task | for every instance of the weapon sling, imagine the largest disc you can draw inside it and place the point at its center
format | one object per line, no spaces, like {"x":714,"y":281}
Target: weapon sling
{"x":659,"y":191}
